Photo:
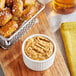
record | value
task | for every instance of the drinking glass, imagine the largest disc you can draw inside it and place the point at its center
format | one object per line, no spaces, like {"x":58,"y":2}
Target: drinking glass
{"x":64,"y":6}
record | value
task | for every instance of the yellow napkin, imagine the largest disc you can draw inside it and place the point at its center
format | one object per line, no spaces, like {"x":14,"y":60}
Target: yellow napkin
{"x":68,"y":31}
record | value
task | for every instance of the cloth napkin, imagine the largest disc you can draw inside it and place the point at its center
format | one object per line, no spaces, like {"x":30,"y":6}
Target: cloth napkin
{"x":68,"y":31}
{"x":44,"y":1}
{"x":56,"y":19}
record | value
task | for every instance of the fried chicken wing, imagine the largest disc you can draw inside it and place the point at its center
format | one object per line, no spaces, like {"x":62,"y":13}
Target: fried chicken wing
{"x":5,"y":16}
{"x":17,"y":8}
{"x":2,"y":4}
{"x":8,"y":29}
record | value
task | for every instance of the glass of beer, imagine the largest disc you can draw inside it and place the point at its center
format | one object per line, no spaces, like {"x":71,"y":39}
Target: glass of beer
{"x":64,"y":6}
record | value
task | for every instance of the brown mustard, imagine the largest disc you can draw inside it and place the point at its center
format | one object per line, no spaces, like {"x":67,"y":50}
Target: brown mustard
{"x":39,"y":48}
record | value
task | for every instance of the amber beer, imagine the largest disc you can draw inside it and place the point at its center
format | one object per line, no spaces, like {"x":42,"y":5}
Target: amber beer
{"x":64,"y":6}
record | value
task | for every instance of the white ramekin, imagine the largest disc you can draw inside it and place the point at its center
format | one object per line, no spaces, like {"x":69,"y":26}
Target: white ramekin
{"x":38,"y":65}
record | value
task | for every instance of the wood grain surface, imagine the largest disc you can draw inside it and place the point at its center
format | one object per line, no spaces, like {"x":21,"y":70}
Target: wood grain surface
{"x":12,"y":62}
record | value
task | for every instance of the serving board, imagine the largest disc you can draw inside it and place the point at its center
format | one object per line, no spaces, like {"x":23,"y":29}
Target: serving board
{"x":12,"y":62}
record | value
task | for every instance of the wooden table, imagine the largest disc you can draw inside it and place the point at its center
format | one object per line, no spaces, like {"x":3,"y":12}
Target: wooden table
{"x":12,"y":62}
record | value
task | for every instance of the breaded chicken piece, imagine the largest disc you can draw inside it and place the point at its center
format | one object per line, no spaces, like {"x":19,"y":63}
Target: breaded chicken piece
{"x":17,"y":8}
{"x":5,"y":16}
{"x":2,"y":4}
{"x":8,"y":29}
